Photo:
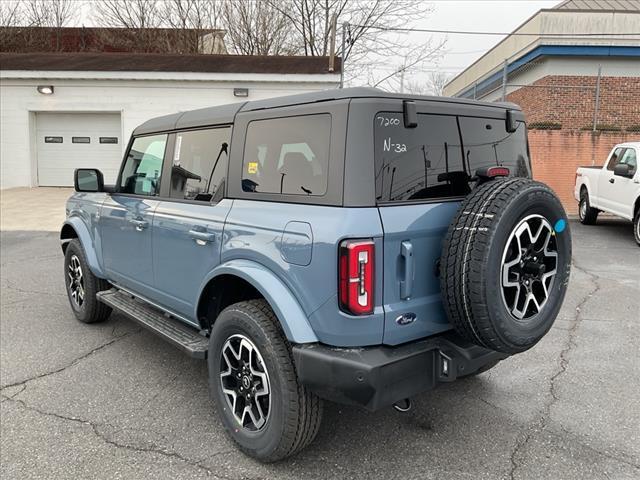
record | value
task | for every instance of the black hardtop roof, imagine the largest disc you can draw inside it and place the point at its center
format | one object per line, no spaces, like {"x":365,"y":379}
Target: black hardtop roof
{"x":225,"y":114}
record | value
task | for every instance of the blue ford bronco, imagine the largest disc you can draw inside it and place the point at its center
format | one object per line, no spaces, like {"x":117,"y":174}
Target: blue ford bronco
{"x":349,"y":245}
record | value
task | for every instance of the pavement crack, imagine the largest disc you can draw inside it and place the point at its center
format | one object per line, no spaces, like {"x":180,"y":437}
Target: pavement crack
{"x":96,"y":429}
{"x":10,"y":286}
{"x":522,"y":442}
{"x":73,"y":363}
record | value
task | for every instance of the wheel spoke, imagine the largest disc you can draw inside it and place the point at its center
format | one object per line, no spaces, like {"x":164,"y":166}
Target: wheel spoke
{"x":529,"y":267}
{"x":245,"y":382}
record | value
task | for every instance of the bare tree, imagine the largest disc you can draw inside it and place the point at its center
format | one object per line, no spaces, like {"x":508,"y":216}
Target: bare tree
{"x":257,"y":27}
{"x":370,"y":38}
{"x":436,"y":81}
{"x":136,"y":18}
{"x":50,"y":13}
{"x":192,"y":21}
{"x":11,"y":13}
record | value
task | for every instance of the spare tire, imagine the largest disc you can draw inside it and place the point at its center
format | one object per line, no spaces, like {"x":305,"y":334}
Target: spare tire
{"x":505,"y":264}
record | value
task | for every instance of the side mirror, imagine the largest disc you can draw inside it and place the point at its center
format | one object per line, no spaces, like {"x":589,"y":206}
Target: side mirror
{"x":88,"y":180}
{"x":623,"y":170}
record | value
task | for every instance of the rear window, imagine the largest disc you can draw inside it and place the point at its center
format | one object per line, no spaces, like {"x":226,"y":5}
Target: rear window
{"x":438,"y":158}
{"x":287,"y":155}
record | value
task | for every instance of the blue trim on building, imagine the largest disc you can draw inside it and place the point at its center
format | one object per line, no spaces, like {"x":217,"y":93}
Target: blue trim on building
{"x":554,"y":51}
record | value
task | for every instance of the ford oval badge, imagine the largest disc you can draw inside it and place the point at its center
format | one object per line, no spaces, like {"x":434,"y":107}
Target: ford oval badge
{"x":406,"y":318}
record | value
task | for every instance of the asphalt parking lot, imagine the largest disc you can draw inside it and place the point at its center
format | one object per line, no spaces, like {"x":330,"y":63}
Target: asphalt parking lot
{"x":113,"y":401}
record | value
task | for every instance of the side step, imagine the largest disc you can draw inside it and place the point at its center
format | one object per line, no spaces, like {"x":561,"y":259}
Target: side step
{"x":182,"y":336}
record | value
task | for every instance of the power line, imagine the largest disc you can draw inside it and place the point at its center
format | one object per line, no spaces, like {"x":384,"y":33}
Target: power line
{"x":512,"y":34}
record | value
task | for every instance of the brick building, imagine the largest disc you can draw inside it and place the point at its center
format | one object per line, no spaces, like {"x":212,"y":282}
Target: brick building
{"x":575,"y":71}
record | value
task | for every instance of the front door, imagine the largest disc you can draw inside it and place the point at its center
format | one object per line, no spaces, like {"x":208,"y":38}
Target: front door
{"x":188,"y":226}
{"x":624,"y":188}
{"x":127,"y":217}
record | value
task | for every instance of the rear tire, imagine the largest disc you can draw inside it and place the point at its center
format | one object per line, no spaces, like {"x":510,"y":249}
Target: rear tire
{"x":290,"y":414}
{"x":588,"y":215}
{"x":636,"y":227}
{"x":505,"y":264}
{"x":82,"y":286}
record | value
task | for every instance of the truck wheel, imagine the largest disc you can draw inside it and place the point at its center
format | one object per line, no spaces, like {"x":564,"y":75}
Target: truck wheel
{"x":636,"y":227}
{"x":587,"y":214}
{"x":253,"y":381}
{"x":82,"y":286}
{"x":505,"y":264}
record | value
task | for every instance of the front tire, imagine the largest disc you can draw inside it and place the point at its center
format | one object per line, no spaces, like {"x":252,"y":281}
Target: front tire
{"x":82,"y":286}
{"x":253,"y":382}
{"x":588,"y":215}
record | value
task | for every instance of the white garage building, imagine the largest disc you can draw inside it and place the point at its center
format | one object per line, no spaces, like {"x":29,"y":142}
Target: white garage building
{"x":61,"y":111}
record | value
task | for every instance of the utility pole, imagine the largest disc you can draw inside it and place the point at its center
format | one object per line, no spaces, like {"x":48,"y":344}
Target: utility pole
{"x":345,"y":27}
{"x":597,"y":105}
{"x":504,"y":81}
{"x":332,"y":43}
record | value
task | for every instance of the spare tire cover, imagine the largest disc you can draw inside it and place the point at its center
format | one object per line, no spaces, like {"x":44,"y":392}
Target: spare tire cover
{"x":505,"y":264}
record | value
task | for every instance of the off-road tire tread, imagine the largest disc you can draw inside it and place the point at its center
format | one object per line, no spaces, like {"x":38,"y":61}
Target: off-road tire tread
{"x":96,"y":311}
{"x":305,"y":411}
{"x":465,"y":249}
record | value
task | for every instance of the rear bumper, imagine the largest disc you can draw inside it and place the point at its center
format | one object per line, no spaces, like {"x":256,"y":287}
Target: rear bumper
{"x":376,"y":377}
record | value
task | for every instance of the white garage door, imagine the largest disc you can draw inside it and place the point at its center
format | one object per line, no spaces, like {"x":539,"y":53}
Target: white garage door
{"x":66,"y":141}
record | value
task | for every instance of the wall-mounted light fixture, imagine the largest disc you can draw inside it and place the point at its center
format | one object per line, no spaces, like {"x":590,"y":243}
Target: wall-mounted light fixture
{"x":240,"y":92}
{"x":45,"y":89}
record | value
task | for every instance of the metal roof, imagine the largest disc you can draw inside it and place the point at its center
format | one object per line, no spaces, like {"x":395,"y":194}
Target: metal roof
{"x":616,"y":5}
{"x":225,"y":114}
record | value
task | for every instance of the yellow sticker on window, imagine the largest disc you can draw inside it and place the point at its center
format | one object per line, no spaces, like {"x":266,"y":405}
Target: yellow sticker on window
{"x":252,"y":167}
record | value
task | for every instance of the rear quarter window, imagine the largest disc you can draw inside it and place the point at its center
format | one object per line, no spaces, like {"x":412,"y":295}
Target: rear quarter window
{"x":287,"y":155}
{"x":438,"y":158}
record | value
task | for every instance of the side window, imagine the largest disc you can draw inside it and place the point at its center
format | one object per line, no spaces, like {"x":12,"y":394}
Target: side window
{"x":287,"y":155}
{"x":629,"y":157}
{"x":487,"y":144}
{"x":199,"y":165}
{"x":613,"y":161}
{"x":418,"y":163}
{"x":141,"y":173}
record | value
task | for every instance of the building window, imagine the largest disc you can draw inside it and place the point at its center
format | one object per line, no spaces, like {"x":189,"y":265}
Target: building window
{"x":52,"y":139}
{"x":108,"y":139}
{"x":287,"y":155}
{"x":80,"y":140}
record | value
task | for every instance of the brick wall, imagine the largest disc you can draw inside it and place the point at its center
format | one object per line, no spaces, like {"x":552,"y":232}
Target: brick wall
{"x":556,"y":154}
{"x":573,"y":108}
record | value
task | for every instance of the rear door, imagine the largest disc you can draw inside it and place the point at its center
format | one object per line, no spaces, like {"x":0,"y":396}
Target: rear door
{"x":189,"y":221}
{"x":422,"y":173}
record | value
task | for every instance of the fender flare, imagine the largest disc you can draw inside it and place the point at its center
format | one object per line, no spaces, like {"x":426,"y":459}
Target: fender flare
{"x":87,"y":244}
{"x":292,"y":318}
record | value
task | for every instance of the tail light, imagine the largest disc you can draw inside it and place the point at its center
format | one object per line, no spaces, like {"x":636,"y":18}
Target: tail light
{"x":356,"y":281}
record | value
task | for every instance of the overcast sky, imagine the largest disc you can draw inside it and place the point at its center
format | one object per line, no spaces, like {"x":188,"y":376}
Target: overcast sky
{"x":476,"y":15}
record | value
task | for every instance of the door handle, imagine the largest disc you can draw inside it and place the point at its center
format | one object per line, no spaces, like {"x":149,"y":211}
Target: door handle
{"x":139,"y":224}
{"x":406,"y":284}
{"x":612,"y":180}
{"x":202,"y":238}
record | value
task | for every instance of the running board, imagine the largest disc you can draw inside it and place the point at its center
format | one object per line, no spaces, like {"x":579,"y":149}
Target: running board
{"x":173,"y":331}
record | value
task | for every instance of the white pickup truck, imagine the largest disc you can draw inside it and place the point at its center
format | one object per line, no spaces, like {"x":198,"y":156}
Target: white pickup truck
{"x":612,"y":188}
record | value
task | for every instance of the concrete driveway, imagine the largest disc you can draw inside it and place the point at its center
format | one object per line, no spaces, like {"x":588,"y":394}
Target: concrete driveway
{"x":113,"y":401}
{"x":33,"y":209}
